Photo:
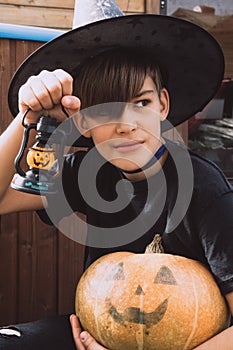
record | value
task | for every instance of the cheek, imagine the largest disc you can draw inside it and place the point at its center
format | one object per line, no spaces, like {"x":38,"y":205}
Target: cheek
{"x":149,"y":119}
{"x":101,"y":134}
{"x":152,"y":130}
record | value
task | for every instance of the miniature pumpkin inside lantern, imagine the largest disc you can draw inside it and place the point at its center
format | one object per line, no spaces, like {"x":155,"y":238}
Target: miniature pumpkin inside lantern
{"x":41,"y":158}
{"x":149,"y":301}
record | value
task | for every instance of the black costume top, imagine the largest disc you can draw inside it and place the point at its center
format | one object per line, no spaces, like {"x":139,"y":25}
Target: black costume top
{"x":202,"y":228}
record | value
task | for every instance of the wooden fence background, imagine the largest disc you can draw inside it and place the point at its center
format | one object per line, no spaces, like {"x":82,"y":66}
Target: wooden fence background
{"x":59,"y":13}
{"x":39,"y":267}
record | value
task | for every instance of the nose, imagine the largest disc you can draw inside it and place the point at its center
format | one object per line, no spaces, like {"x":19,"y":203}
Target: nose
{"x":127,"y":122}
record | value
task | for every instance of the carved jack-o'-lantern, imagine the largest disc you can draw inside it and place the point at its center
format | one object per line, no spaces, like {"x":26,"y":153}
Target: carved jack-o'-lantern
{"x":41,"y":158}
{"x":149,"y":301}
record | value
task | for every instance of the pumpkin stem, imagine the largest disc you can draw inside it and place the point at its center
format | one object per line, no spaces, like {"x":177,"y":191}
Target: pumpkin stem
{"x":155,"y":246}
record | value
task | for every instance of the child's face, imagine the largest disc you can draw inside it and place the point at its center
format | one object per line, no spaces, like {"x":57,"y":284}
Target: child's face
{"x":130,"y":140}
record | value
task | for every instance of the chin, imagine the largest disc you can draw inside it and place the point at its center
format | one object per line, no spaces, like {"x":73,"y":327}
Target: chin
{"x":128,"y":165}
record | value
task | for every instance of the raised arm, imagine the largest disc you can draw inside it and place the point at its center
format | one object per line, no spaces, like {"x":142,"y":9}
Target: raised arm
{"x":43,"y":94}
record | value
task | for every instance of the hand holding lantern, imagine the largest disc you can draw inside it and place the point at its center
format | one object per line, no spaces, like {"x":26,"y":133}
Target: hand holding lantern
{"x":43,"y":158}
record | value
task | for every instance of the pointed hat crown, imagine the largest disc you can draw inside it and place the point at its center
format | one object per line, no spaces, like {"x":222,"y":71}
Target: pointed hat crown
{"x":86,"y":12}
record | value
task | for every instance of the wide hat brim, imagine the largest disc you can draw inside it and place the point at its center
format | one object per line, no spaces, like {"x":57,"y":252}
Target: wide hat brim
{"x":192,"y":58}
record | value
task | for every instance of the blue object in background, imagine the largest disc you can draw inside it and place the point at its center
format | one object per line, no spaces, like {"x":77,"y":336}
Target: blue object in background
{"x":15,"y":31}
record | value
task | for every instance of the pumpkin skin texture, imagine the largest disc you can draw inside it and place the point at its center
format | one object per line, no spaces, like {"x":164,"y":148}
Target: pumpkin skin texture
{"x":149,"y":301}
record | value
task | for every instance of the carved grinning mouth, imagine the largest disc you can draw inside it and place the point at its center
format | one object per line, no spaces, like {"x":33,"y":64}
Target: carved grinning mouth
{"x":136,"y":315}
{"x":40,"y":163}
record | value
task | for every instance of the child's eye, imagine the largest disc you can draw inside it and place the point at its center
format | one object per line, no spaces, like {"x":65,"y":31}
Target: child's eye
{"x":142,"y":103}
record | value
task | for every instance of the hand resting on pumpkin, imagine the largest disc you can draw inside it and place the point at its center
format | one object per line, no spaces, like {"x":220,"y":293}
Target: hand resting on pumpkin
{"x":83,"y":340}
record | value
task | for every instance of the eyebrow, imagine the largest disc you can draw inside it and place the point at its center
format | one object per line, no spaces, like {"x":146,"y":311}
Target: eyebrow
{"x":144,"y":92}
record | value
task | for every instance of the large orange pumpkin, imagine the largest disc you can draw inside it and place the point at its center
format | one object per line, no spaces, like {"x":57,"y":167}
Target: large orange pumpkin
{"x":149,"y":301}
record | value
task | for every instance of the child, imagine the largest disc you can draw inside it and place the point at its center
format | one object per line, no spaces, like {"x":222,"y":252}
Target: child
{"x":143,"y":183}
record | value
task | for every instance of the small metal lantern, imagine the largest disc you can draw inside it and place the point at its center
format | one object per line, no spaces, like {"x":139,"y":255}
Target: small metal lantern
{"x":43,"y":158}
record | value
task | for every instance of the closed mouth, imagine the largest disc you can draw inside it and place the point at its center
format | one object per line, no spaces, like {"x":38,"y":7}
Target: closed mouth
{"x":128,"y":145}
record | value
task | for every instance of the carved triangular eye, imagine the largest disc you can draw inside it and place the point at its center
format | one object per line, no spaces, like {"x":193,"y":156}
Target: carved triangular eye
{"x":165,"y":276}
{"x":116,"y":273}
{"x":139,"y":291}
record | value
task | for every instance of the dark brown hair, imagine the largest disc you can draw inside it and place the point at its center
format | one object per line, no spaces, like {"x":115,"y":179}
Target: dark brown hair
{"x":114,"y":76}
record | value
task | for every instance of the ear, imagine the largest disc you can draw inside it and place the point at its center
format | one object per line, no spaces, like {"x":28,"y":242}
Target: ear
{"x":81,"y":123}
{"x":165,"y":104}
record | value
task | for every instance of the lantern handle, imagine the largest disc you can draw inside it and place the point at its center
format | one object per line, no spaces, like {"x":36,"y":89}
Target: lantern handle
{"x":27,"y":128}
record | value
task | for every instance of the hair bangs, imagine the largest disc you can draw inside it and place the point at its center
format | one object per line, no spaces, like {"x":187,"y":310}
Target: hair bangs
{"x":113,"y":76}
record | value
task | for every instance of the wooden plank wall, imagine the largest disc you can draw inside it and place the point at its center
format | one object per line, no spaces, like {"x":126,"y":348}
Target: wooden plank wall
{"x":39,"y":267}
{"x":53,"y":13}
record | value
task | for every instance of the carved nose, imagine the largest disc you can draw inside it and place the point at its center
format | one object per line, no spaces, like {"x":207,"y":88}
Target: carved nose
{"x":139,"y":290}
